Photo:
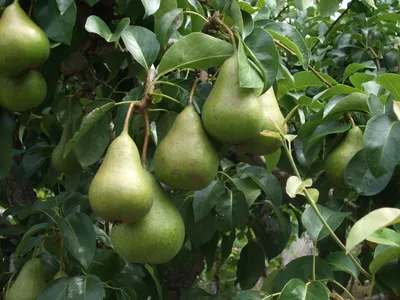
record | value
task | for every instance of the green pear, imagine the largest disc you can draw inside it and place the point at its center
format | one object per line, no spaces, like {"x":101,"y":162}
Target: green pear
{"x":154,"y":239}
{"x":231,"y":114}
{"x":29,"y":282}
{"x":69,"y":164}
{"x":185,"y":159}
{"x":272,"y":116}
{"x":22,"y":92}
{"x":120,"y":190}
{"x":23,"y":45}
{"x":337,"y":161}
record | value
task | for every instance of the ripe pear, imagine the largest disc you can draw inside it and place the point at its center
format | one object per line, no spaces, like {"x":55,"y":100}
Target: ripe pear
{"x":23,"y":45}
{"x":231,"y":114}
{"x":29,"y":282}
{"x":337,"y":161}
{"x":154,"y":239}
{"x":185,"y":159}
{"x":120,"y":190}
{"x":22,"y":92}
{"x":69,"y":164}
{"x":272,"y":116}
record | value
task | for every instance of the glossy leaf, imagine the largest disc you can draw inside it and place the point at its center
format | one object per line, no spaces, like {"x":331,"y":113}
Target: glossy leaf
{"x":390,"y":82}
{"x":249,"y":188}
{"x":29,"y":233}
{"x":328,"y":8}
{"x":339,"y":261}
{"x":232,"y":210}
{"x":204,"y":200}
{"x":352,"y":102}
{"x":63,"y":5}
{"x":167,"y":24}
{"x":388,"y":255}
{"x":248,"y":75}
{"x":354,"y":67}
{"x":296,"y":289}
{"x":105,"y":264}
{"x":55,"y":289}
{"x":150,"y":6}
{"x":251,"y":265}
{"x":85,"y":288}
{"x":385,"y":236}
{"x":250,"y":295}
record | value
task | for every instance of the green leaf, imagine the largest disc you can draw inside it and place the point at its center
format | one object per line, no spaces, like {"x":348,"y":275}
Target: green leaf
{"x":249,"y":188}
{"x":209,"y":52}
{"x":388,"y":255}
{"x":105,"y":264}
{"x":295,"y":186}
{"x":63,"y":5}
{"x":375,"y":105}
{"x":150,"y":6}
{"x":28,"y":234}
{"x":385,"y":236}
{"x":291,"y":38}
{"x":296,"y":289}
{"x":56,"y":26}
{"x":204,"y":200}
{"x":91,"y":2}
{"x":358,"y":79}
{"x":354,"y":67}
{"x":85,"y":288}
{"x":232,"y":210}
{"x":339,"y":261}
{"x":142,"y":44}
{"x":390,"y":82}
{"x":261,"y":49}
{"x":328,"y":8}
{"x":227,"y":244}
{"x":352,"y":102}
{"x":358,"y":175}
{"x":7,"y":124}
{"x":55,"y":289}
{"x":250,"y":295}
{"x":248,"y":76}
{"x":382,"y":144}
{"x":87,"y":123}
{"x":202,"y":231}
{"x":233,"y":11}
{"x":367,"y":225}
{"x":272,"y":160}
{"x":155,"y":279}
{"x":314,"y":226}
{"x":167,"y":24}
{"x":303,"y":4}
{"x":305,"y":79}
{"x":96,"y":25}
{"x":251,"y":265}
{"x":248,"y":24}
{"x":79,"y":237}
{"x":336,"y":90}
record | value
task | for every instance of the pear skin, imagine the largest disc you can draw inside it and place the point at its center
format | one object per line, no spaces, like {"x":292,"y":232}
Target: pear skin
{"x":120,"y":190}
{"x":272,"y":116}
{"x":23,"y":44}
{"x":22,"y":92}
{"x":29,"y":282}
{"x":69,"y":164}
{"x":185,"y":159}
{"x":154,"y":239}
{"x":231,"y":114}
{"x":337,"y":161}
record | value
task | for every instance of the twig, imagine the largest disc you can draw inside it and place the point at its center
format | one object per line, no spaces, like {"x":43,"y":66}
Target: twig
{"x":216,"y":19}
{"x":285,"y":48}
{"x":31,"y":8}
{"x":145,"y":114}
{"x":61,"y":253}
{"x":281,"y":12}
{"x":190,"y":102}
{"x":376,"y":58}
{"x":196,"y":14}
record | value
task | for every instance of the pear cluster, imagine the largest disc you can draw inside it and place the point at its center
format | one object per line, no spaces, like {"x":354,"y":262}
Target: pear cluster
{"x":23,"y":47}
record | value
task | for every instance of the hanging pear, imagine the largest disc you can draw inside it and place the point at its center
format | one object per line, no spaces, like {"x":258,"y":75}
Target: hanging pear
{"x":23,"y":45}
{"x":69,"y":164}
{"x":231,"y":114}
{"x":120,"y":190}
{"x":185,"y":159}
{"x":337,"y":161}
{"x":272,"y":117}
{"x":22,"y":92}
{"x":154,"y":239}
{"x":29,"y":282}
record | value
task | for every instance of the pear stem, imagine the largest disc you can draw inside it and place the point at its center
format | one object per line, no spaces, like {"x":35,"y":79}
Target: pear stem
{"x":217,"y":20}
{"x":30,"y":8}
{"x":190,"y":102}
{"x":128,"y":117}
{"x":349,"y":117}
{"x":145,"y":114}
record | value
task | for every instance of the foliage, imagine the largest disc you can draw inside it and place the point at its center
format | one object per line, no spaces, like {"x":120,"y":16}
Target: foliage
{"x":333,"y":64}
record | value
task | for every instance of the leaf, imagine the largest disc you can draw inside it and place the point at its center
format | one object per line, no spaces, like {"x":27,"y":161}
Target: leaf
{"x":388,"y":255}
{"x":7,"y":124}
{"x":314,"y":226}
{"x":87,"y":123}
{"x":251,"y":265}
{"x":150,"y":6}
{"x":96,"y":25}
{"x":352,"y":102}
{"x":385,"y":236}
{"x":85,"y":288}
{"x":354,"y":67}
{"x":303,"y":4}
{"x":272,"y":160}
{"x":291,"y":38}
{"x":328,"y":8}
{"x":305,"y":79}
{"x":209,"y":52}
{"x":358,"y":176}
{"x":29,"y":233}
{"x":79,"y":237}
{"x":375,"y":105}
{"x":234,"y":12}
{"x":167,"y":24}
{"x":339,"y":89}
{"x":382,"y":144}
{"x":232,"y":210}
{"x":227,"y":244}
{"x":295,"y":186}
{"x":105,"y":264}
{"x":91,"y":2}
{"x":339,"y":261}
{"x":155,"y":279}
{"x":367,"y":225}
{"x":249,"y":188}
{"x":142,"y":44}
{"x":248,"y":76}
{"x":56,"y":26}
{"x":248,"y":23}
{"x":261,"y":49}
{"x":63,"y":5}
{"x":390,"y":82}
{"x":202,"y":231}
{"x":296,"y":289}
{"x":204,"y":200}
{"x":55,"y":289}
{"x":250,"y":295}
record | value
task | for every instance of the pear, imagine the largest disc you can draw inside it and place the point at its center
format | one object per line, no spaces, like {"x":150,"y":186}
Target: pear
{"x":185,"y":159}
{"x":22,"y":92}
{"x":23,"y":45}
{"x":231,"y":114}
{"x":154,"y":239}
{"x":337,"y":161}
{"x":120,"y":190}
{"x":272,"y":116}
{"x":69,"y":164}
{"x":29,"y":282}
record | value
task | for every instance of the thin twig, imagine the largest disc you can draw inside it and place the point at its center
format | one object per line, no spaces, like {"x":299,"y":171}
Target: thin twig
{"x":281,"y":12}
{"x":61,"y":253}
{"x":145,"y":114}
{"x":376,"y":58}
{"x":190,"y":102}
{"x":287,"y":49}
{"x":31,"y":8}
{"x":320,"y":77}
{"x":217,"y":20}
{"x":196,"y":14}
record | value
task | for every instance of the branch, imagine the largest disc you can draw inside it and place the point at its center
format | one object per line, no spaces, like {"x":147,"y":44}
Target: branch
{"x":281,"y":12}
{"x":376,"y":58}
{"x":190,"y":102}
{"x":216,"y":19}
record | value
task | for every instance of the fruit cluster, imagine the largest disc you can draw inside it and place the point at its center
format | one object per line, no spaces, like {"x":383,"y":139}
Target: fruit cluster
{"x":23,"y":47}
